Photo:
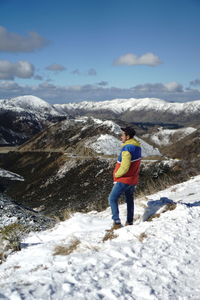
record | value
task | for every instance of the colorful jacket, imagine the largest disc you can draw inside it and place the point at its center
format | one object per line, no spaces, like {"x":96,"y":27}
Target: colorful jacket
{"x":128,"y":164}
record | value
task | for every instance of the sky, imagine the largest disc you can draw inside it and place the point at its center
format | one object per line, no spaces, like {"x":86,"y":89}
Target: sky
{"x":69,"y":51}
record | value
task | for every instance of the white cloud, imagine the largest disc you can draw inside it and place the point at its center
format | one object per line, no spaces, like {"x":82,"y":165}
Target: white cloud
{"x":13,"y":42}
{"x":173,"y":87}
{"x":130,"y":59}
{"x":56,"y":67}
{"x":63,"y":94}
{"x":21,"y":69}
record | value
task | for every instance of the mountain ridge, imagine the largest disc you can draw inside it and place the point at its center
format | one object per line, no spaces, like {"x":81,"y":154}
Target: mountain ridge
{"x":134,"y":104}
{"x":117,"y":106}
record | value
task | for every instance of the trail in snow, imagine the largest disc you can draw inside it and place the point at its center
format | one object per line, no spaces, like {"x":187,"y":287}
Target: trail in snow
{"x":149,"y":260}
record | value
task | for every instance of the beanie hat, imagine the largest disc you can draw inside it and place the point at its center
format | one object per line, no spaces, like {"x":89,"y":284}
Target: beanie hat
{"x":129,"y":131}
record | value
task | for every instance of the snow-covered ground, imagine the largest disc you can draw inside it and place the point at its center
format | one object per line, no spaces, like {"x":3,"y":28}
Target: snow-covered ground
{"x":149,"y":260}
{"x":106,"y":144}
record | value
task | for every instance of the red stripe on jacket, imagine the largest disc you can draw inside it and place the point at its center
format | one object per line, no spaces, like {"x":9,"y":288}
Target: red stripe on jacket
{"x":132,"y":176}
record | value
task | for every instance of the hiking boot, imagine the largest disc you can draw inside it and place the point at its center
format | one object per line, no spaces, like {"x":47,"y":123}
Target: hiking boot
{"x":128,"y":223}
{"x":115,"y":227}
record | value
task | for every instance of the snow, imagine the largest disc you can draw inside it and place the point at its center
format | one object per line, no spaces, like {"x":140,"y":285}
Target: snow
{"x":118,"y":106}
{"x":164,"y":136}
{"x":10,"y":175}
{"x":110,"y":124}
{"x":105,"y":144}
{"x":149,"y":260}
{"x":148,"y":150}
{"x":29,"y":104}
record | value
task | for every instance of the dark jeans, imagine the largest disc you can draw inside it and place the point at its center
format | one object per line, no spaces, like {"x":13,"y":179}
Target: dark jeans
{"x":118,"y":189}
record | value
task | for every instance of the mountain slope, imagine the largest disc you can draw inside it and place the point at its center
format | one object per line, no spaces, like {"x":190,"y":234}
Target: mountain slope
{"x":83,"y":136}
{"x":151,"y":260}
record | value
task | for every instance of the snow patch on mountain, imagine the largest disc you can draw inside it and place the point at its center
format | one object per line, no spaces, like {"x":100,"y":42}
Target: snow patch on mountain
{"x":105,"y":144}
{"x":149,"y":260}
{"x":10,"y":175}
{"x":110,"y":124}
{"x":147,"y":149}
{"x":164,"y":137}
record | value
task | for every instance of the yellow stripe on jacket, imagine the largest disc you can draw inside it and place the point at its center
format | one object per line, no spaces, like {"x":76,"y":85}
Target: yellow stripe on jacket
{"x":125,"y":164}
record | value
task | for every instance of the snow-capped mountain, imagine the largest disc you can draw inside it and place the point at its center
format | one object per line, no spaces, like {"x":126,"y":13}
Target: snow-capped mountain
{"x":22,"y":117}
{"x":119,"y":106}
{"x":30,"y":104}
{"x":150,"y":260}
{"x":138,"y":110}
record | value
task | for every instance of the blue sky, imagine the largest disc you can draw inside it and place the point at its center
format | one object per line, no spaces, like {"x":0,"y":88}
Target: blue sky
{"x":65,"y":51}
